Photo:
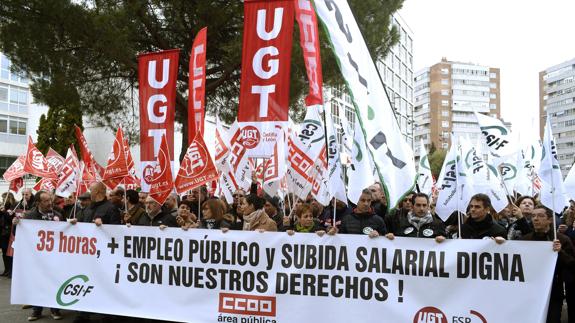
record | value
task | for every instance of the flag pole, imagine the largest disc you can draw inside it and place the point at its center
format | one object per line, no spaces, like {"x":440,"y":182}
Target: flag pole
{"x":458,"y":191}
{"x":78,"y":183}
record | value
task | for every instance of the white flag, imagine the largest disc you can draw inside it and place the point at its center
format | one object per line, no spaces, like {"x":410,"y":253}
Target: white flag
{"x":227,"y":182}
{"x":448,"y":184}
{"x":392,"y":156}
{"x":569,"y":184}
{"x":424,"y":177}
{"x":553,"y":193}
{"x":238,"y":158}
{"x":360,"y":173}
{"x":275,"y":167}
{"x":68,"y":175}
{"x":480,"y":178}
{"x":496,"y":136}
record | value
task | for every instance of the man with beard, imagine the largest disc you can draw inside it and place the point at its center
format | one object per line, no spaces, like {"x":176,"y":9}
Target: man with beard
{"x":393,"y":217}
{"x":419,"y":222}
{"x":155,"y":216}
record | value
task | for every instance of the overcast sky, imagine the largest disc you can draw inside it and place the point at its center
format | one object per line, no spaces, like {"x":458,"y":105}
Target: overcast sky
{"x":522,"y":38}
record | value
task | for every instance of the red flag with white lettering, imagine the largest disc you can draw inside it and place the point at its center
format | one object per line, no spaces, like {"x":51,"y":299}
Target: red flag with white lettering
{"x":90,"y":163}
{"x":197,"y":85}
{"x":16,"y":170}
{"x":309,"y":42}
{"x":265,"y":79}
{"x":197,"y":167}
{"x":55,"y":159}
{"x":45,"y":184}
{"x":162,"y":182}
{"x":69,"y":174}
{"x":157,"y":76}
{"x":117,"y":162}
{"x":36,"y":164}
{"x":16,"y":184}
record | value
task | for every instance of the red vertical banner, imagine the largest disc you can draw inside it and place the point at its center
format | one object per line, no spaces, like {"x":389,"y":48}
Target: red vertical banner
{"x":157,"y":75}
{"x":309,"y":42}
{"x":265,"y":80}
{"x":197,"y":85}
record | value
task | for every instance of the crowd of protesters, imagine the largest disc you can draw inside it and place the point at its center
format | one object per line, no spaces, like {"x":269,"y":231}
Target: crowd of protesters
{"x":523,"y":219}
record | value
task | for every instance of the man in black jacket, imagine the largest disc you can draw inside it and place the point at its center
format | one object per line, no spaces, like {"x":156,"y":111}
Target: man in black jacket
{"x":362,"y":220}
{"x":155,"y":216}
{"x":542,"y":218}
{"x":101,"y":211}
{"x":480,"y":224}
{"x":419,"y":222}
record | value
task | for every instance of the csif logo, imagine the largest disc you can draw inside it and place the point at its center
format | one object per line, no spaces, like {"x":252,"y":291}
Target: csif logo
{"x":73,"y":288}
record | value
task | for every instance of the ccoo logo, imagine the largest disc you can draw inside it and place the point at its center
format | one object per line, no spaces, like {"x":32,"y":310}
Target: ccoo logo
{"x":72,"y":289}
{"x":430,"y":314}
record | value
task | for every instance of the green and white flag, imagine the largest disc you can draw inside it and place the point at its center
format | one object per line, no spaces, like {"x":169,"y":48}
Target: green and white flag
{"x":392,"y":156}
{"x":480,"y":178}
{"x":496,"y":136}
{"x":360,"y":173}
{"x":552,"y":193}
{"x":424,"y":177}
{"x":569,"y":183}
{"x":448,"y":185}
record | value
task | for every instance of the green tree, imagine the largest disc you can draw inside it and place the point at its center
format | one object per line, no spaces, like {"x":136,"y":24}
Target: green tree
{"x":94,"y":43}
{"x":436,"y":161}
{"x":56,"y":129}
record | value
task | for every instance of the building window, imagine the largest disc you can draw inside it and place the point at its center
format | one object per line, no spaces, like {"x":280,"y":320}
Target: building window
{"x":12,"y":125}
{"x":492,"y":75}
{"x":445,"y":103}
{"x":5,"y":163}
{"x":445,"y":124}
{"x":445,"y":113}
{"x":492,"y":96}
{"x":445,"y":71}
{"x":492,"y":106}
{"x":445,"y":92}
{"x":493,"y":85}
{"x":445,"y":81}
{"x":3,"y":93}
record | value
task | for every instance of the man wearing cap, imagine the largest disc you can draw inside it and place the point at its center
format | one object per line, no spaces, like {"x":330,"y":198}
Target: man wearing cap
{"x":83,"y":202}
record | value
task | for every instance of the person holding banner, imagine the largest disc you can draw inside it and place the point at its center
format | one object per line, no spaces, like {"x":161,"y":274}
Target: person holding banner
{"x":564,"y":269}
{"x":42,"y":211}
{"x":480,"y":224}
{"x":362,"y":220}
{"x":213,"y":212}
{"x":186,"y":218}
{"x":254,"y":216}
{"x":393,"y":217}
{"x":419,"y":222}
{"x":155,"y":216}
{"x":272,"y":208}
{"x":305,"y":221}
{"x":101,"y":211}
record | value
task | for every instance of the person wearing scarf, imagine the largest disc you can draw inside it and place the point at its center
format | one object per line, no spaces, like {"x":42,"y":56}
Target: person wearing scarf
{"x":255,"y":218}
{"x":305,"y":221}
{"x":419,"y":222}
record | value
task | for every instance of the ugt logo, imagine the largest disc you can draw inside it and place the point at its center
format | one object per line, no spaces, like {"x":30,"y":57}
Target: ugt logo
{"x":73,"y":288}
{"x":430,"y":314}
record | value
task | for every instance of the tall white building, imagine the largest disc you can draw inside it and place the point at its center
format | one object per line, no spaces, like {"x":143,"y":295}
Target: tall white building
{"x":557,"y":99}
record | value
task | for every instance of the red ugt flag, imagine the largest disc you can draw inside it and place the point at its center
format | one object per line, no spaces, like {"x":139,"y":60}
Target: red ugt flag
{"x":162,"y":182}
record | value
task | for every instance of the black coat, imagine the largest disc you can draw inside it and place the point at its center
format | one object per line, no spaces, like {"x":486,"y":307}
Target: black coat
{"x":478,"y":230}
{"x":161,"y":218}
{"x":358,"y":223}
{"x":428,"y":230}
{"x":565,"y":266}
{"x":105,"y":210}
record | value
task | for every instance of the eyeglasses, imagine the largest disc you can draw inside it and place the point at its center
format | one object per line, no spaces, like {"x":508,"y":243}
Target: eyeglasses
{"x":237,"y":195}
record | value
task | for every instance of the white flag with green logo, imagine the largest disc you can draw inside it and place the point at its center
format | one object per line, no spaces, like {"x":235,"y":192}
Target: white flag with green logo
{"x":360,"y":173}
{"x":392,"y":156}
{"x":424,"y":177}
{"x":496,"y":136}
{"x":553,"y":193}
{"x":448,"y":185}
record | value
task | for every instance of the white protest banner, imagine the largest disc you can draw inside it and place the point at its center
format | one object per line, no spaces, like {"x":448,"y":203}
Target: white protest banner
{"x":210,"y":276}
